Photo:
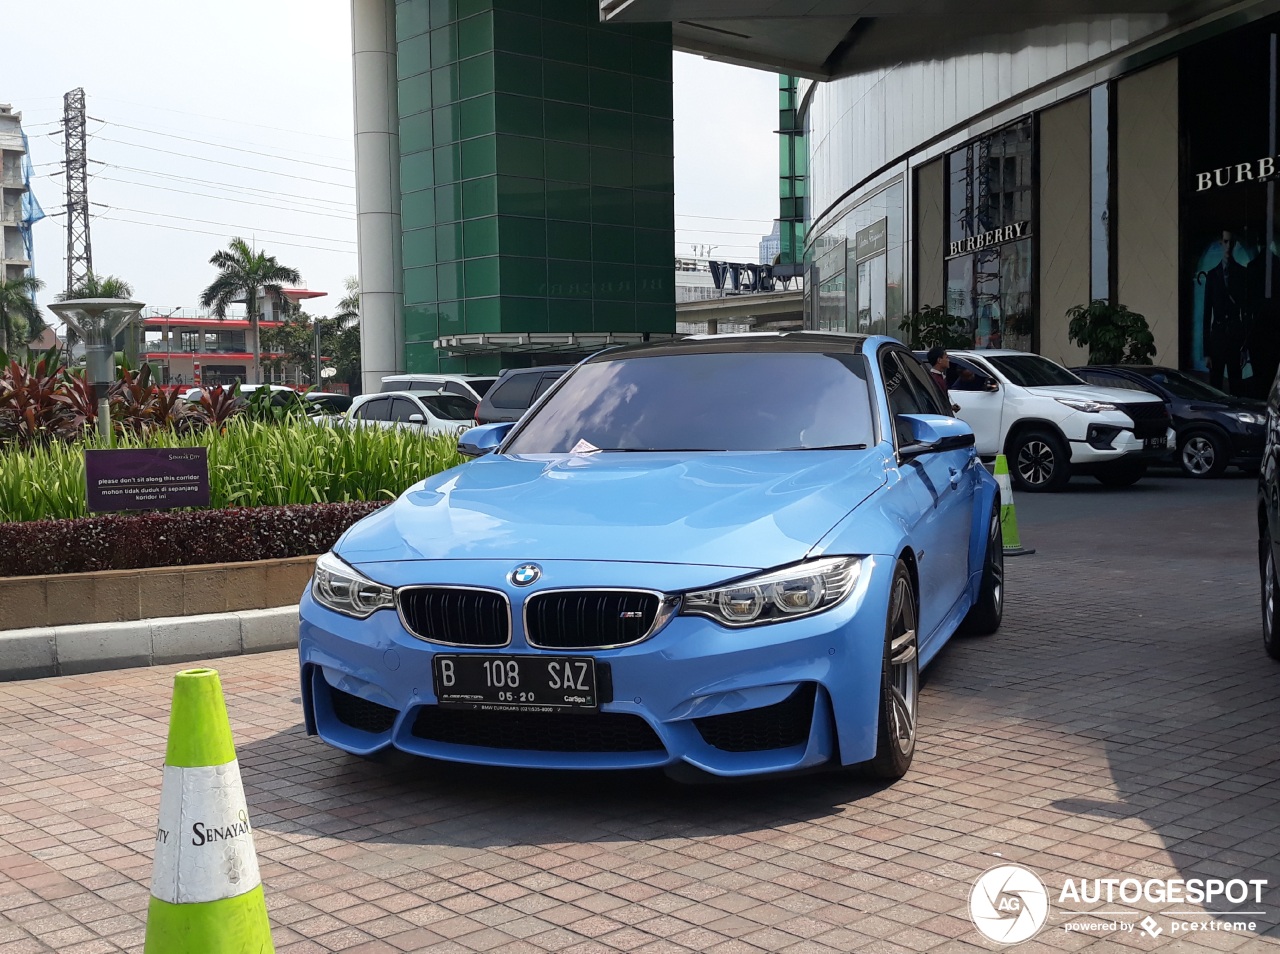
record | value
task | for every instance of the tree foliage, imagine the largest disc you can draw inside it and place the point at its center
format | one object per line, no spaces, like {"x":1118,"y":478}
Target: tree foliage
{"x":20,"y":319}
{"x":1112,"y":333}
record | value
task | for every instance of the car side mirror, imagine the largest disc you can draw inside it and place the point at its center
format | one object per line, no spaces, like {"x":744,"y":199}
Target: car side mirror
{"x":478,"y":441}
{"x":932,"y":434}
{"x":416,"y":418}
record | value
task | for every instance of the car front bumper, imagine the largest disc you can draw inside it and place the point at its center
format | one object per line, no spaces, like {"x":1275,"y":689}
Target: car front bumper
{"x":773,"y":698}
{"x":1106,"y":443}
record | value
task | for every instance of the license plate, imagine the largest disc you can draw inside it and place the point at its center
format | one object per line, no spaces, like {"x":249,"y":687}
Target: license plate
{"x":1155,"y":442}
{"x":526,"y":683}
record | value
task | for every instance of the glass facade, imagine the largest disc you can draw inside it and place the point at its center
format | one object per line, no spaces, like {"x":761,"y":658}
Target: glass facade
{"x":857,"y":268}
{"x":990,"y":268}
{"x":536,"y":173}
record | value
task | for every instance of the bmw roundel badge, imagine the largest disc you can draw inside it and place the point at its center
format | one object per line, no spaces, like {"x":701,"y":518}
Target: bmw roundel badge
{"x":526,"y":574}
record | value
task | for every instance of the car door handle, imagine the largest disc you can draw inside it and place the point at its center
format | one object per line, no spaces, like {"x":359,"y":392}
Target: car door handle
{"x":955,"y":477}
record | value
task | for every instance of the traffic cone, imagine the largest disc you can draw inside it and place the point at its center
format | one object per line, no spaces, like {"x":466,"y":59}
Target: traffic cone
{"x":206,"y":893}
{"x":1008,"y":519}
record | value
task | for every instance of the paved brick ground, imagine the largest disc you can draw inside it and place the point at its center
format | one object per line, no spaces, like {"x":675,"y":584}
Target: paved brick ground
{"x":1124,"y":721}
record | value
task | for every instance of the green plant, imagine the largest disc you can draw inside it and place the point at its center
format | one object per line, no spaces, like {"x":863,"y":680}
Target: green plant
{"x":95,"y":286}
{"x":242,"y":271}
{"x":251,"y":464}
{"x":931,"y":325}
{"x":1112,"y":333}
{"x":19,"y":317}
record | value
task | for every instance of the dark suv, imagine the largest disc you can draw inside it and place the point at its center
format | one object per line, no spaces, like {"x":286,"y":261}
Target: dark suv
{"x":1214,"y":429}
{"x":515,"y":391}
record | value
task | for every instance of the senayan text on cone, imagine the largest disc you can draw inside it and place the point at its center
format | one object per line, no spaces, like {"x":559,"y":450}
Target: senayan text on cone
{"x":206,"y":892}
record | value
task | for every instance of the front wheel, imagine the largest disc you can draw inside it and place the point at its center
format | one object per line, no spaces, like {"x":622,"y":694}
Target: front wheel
{"x":985,"y":615}
{"x":1125,"y":473}
{"x":1270,"y":592}
{"x":1202,"y":454}
{"x":899,"y":682}
{"x":1038,"y":462}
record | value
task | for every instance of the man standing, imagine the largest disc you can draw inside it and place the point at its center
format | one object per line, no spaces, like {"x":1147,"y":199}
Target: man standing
{"x":1224,"y":317}
{"x":938,"y":362}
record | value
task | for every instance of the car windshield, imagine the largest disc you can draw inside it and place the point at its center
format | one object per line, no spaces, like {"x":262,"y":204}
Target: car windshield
{"x":1185,"y":386}
{"x":450,"y":407}
{"x":1032,"y":371}
{"x":718,"y":401}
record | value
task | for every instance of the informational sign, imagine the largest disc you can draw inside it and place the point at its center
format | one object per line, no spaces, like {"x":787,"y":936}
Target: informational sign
{"x":146,"y":479}
{"x":872,"y":240}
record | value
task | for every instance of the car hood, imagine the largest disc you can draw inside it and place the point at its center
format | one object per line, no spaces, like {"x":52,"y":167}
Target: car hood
{"x":1090,"y":392}
{"x":749,"y":510}
{"x":1230,"y":403}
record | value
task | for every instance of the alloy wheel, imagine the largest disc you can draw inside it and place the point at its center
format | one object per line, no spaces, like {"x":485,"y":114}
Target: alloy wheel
{"x":1035,"y":462}
{"x":1269,"y":599}
{"x":995,"y":550}
{"x":904,"y":670}
{"x":1198,"y":455}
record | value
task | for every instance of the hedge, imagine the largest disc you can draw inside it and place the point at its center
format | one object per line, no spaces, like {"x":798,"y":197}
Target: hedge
{"x":179,"y":538}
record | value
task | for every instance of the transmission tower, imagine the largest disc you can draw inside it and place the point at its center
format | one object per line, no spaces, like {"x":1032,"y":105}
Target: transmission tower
{"x":79,"y":248}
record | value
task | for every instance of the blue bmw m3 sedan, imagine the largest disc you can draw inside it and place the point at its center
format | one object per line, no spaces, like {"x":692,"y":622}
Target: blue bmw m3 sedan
{"x":726,"y":554}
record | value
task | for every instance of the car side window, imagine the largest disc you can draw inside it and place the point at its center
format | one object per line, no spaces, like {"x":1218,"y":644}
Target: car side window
{"x":963,"y":376}
{"x":453,"y":387}
{"x":515,"y":392}
{"x":376,"y":410}
{"x":1118,"y":381}
{"x":423,"y":386}
{"x":402,"y":407}
{"x":545,"y":384}
{"x":927,"y":392}
{"x":901,"y":395}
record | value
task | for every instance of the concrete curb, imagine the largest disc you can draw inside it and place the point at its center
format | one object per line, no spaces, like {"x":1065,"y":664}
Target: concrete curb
{"x":93,"y":647}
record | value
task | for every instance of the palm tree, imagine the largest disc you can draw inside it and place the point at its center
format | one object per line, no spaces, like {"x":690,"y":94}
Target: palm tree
{"x":95,"y":286}
{"x":18,"y":309}
{"x":349,"y":305}
{"x":242,"y":272}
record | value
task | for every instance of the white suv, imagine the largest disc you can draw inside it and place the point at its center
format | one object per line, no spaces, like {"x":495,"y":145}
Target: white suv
{"x":471,"y":386}
{"x":1050,"y":424}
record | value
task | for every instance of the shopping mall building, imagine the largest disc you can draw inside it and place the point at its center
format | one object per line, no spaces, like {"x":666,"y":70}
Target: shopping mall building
{"x":1007,"y":160}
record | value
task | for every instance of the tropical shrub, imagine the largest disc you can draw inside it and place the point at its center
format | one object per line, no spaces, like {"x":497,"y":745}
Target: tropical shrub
{"x":1112,"y":333}
{"x":181,"y":538}
{"x":932,"y":325}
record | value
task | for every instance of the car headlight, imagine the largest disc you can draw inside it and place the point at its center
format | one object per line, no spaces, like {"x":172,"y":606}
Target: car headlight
{"x":1089,"y":407}
{"x":344,"y":590}
{"x":777,"y":595}
{"x":1249,"y":417}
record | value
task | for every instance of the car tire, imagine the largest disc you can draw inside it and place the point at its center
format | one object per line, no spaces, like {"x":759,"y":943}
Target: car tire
{"x":1124,"y":473}
{"x":1202,"y":454}
{"x":985,"y":614}
{"x":899,"y":682}
{"x":1270,"y":599}
{"x":1038,"y":462}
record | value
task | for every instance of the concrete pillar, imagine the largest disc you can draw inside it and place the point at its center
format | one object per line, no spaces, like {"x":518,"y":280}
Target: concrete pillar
{"x":377,"y":131}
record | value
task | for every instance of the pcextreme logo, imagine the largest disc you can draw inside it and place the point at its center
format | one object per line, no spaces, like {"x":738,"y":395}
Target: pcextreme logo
{"x":1008,"y":904}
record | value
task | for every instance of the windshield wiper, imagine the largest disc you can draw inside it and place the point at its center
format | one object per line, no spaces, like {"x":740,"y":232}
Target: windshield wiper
{"x":828,"y":447}
{"x":661,"y":450}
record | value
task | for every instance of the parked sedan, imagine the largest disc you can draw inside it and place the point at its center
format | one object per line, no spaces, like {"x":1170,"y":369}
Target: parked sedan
{"x":433,"y":413}
{"x":665,"y":565}
{"x":1214,"y":428}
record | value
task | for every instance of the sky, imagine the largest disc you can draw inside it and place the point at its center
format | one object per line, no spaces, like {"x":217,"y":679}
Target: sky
{"x":214,"y":120}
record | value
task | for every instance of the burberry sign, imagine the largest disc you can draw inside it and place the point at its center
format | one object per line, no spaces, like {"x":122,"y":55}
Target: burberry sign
{"x":986,"y":239}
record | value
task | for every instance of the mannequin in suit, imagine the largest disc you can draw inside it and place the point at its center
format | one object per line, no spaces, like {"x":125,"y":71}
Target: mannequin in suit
{"x":1225,"y":317}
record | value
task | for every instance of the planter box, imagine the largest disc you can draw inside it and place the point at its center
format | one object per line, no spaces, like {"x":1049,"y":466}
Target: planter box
{"x":110,"y":596}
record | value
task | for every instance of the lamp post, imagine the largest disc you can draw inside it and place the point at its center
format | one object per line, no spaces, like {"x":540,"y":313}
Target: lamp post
{"x":97,"y":321}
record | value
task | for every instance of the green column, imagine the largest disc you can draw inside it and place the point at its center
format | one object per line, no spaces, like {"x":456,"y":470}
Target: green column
{"x":536,"y":173}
